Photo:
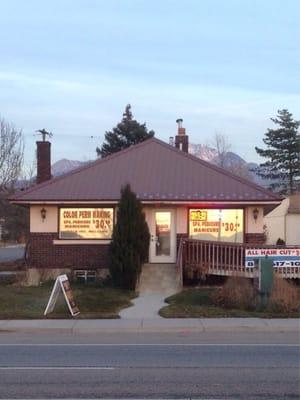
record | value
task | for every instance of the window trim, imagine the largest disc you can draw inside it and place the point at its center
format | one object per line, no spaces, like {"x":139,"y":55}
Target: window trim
{"x":84,"y":239}
{"x":217,"y":208}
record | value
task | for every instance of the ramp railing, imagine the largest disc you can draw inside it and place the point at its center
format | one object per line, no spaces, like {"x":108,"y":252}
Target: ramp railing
{"x":225,"y":259}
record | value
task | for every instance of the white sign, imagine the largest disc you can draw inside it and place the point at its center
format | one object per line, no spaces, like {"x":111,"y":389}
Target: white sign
{"x":281,"y":257}
{"x":62,"y":284}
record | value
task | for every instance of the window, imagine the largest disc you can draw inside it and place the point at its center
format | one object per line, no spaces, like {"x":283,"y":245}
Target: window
{"x":85,"y":276}
{"x":220,"y":225}
{"x":86,"y":223}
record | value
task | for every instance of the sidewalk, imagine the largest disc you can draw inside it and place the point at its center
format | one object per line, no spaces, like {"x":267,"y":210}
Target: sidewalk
{"x":144,"y":306}
{"x":11,"y":252}
{"x":152,"y":325}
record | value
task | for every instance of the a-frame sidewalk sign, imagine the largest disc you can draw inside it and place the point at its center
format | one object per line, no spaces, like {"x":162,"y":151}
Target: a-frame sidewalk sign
{"x":62,"y":284}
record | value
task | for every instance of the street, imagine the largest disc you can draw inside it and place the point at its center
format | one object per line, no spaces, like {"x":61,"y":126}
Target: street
{"x":150,"y":365}
{"x":12,"y":252}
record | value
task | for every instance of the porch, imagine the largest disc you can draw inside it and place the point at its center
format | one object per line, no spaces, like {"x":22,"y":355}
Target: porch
{"x":229,"y":259}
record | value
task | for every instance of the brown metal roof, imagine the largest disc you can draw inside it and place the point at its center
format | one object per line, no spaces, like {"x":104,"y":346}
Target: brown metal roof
{"x":155,"y":171}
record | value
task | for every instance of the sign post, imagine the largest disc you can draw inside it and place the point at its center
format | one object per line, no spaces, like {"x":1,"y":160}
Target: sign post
{"x":266,"y":274}
{"x":62,"y":284}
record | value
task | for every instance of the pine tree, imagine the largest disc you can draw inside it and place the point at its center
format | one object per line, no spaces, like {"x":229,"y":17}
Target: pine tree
{"x":283,"y":153}
{"x":130,"y":241}
{"x":127,"y":133}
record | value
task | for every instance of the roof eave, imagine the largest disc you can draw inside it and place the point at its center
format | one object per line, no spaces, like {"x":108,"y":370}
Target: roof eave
{"x":151,"y":201}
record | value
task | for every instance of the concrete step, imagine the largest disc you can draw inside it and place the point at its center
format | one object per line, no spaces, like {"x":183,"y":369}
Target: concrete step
{"x":158,"y":279}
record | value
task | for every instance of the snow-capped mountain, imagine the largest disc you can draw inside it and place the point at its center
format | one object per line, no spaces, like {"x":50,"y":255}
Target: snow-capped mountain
{"x":231,"y":161}
{"x":63,"y":166}
{"x":202,"y":151}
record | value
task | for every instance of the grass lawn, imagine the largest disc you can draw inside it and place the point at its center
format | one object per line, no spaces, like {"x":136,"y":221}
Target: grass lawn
{"x":196,"y":303}
{"x":93,"y":301}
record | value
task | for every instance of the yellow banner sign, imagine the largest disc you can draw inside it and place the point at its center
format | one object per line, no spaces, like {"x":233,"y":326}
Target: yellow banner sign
{"x":216,"y":224}
{"x":86,"y":223}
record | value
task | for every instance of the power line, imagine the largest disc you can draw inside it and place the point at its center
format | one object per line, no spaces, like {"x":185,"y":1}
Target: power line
{"x":58,"y":135}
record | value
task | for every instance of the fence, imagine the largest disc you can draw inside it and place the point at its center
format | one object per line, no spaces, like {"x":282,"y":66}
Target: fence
{"x":225,"y":259}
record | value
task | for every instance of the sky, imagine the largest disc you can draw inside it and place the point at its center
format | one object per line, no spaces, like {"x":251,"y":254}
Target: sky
{"x":223,"y":66}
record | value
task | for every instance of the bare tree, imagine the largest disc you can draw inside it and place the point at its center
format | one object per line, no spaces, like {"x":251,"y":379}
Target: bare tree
{"x":223,"y":159}
{"x":240,"y":168}
{"x":222,"y":145}
{"x":11,"y":154}
{"x":27,"y":176}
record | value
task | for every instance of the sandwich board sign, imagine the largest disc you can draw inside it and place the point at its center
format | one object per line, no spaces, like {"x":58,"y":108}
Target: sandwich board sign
{"x":62,"y":284}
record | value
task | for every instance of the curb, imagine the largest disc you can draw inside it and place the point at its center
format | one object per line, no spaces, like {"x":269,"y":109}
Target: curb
{"x":152,"y":325}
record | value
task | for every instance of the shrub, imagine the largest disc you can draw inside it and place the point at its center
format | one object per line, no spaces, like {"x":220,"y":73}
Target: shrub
{"x":284,"y":298}
{"x":236,"y":293}
{"x":130,"y":241}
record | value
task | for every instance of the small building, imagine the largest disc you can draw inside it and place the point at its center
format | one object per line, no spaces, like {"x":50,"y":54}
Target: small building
{"x":72,"y":216}
{"x":284,"y":222}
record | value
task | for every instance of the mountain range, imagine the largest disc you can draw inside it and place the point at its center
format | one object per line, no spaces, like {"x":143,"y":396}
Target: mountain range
{"x":64,"y":165}
{"x":231,"y":161}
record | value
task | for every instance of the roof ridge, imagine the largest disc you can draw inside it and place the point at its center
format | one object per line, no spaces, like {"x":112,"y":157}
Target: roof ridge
{"x":81,"y":168}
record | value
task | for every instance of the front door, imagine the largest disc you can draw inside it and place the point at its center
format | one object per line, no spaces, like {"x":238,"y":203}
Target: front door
{"x":163,"y":236}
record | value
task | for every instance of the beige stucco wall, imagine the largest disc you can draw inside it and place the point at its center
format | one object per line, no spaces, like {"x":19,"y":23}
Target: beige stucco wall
{"x":293,"y":229}
{"x":180,"y":217}
{"x":147,"y":212}
{"x":181,"y":220}
{"x":252,"y":225}
{"x":275,"y":229}
{"x":50,"y":223}
{"x":275,"y":224}
{"x":282,"y":225}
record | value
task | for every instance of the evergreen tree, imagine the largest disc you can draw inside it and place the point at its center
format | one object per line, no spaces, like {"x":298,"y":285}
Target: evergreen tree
{"x":15,"y":219}
{"x":283,"y":153}
{"x":127,"y":133}
{"x":130,"y":241}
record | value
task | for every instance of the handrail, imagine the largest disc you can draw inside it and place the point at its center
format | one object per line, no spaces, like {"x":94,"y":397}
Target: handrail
{"x":179,"y":262}
{"x":224,"y":258}
{"x":246,"y":245}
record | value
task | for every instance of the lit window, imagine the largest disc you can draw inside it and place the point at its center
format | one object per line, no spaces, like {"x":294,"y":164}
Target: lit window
{"x":220,"y":225}
{"x":86,"y":223}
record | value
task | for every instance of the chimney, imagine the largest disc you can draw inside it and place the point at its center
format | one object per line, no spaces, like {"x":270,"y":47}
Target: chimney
{"x":181,"y":139}
{"x":43,"y":154}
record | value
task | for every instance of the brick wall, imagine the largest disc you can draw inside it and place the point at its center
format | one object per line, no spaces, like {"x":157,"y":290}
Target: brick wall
{"x":255,"y":238}
{"x":44,"y":254}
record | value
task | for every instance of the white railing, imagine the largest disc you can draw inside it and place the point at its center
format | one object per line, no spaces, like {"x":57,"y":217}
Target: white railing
{"x":226,"y":259}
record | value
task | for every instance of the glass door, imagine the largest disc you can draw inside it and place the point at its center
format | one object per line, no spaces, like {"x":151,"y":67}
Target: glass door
{"x":163,"y":237}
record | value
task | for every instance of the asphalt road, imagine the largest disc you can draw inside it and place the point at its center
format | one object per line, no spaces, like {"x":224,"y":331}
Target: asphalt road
{"x":126,"y":366}
{"x":11,"y":253}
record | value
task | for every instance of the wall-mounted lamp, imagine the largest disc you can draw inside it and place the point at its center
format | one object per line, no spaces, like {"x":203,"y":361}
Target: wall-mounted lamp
{"x":43,"y":214}
{"x":255,"y":214}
